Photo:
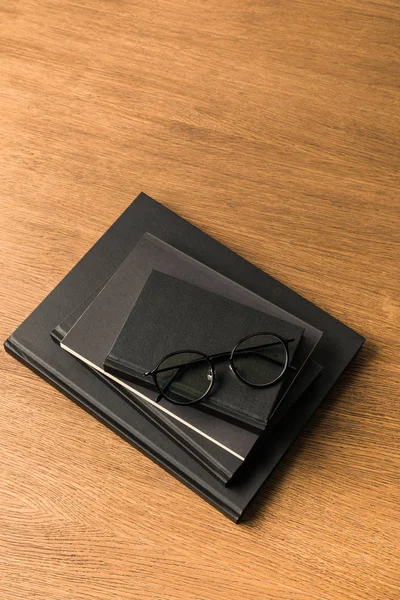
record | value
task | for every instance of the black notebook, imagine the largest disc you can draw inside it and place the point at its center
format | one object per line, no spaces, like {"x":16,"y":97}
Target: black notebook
{"x":109,"y":311}
{"x":32,"y":344}
{"x":171,"y":315}
{"x":225,"y":445}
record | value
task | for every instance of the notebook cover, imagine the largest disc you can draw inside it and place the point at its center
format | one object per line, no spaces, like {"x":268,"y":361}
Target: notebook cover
{"x":171,"y":314}
{"x":32,"y":344}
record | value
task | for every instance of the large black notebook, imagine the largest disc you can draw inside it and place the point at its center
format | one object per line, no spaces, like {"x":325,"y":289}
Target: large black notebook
{"x":32,"y":344}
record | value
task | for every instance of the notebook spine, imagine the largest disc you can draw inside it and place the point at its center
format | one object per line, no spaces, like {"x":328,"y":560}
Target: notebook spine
{"x":116,"y":366}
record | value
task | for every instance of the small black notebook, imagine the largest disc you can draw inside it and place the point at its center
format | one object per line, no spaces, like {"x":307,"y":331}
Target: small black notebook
{"x":171,"y":315}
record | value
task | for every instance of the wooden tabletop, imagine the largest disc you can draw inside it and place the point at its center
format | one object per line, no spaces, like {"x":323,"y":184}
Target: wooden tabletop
{"x":275,"y":127}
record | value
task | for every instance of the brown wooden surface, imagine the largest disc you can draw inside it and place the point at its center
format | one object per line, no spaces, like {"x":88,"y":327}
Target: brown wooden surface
{"x":274,"y":126}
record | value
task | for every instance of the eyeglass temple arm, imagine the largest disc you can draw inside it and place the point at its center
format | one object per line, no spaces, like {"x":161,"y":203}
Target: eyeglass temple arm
{"x":166,"y":386}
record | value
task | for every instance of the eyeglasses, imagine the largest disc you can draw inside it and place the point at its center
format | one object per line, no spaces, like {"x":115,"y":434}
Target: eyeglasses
{"x":187,"y":376}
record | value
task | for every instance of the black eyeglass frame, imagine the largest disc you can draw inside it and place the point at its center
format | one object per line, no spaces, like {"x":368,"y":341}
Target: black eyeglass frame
{"x":209,"y":359}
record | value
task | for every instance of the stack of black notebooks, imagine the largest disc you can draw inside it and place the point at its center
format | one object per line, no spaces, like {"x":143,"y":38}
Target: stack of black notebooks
{"x":205,"y":363}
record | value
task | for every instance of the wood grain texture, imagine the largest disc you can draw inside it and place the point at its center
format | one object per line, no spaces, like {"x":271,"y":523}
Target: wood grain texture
{"x":274,"y":126}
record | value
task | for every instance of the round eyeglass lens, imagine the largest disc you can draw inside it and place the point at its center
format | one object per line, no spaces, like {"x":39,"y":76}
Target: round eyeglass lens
{"x":184,"y":377}
{"x":260,"y":360}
